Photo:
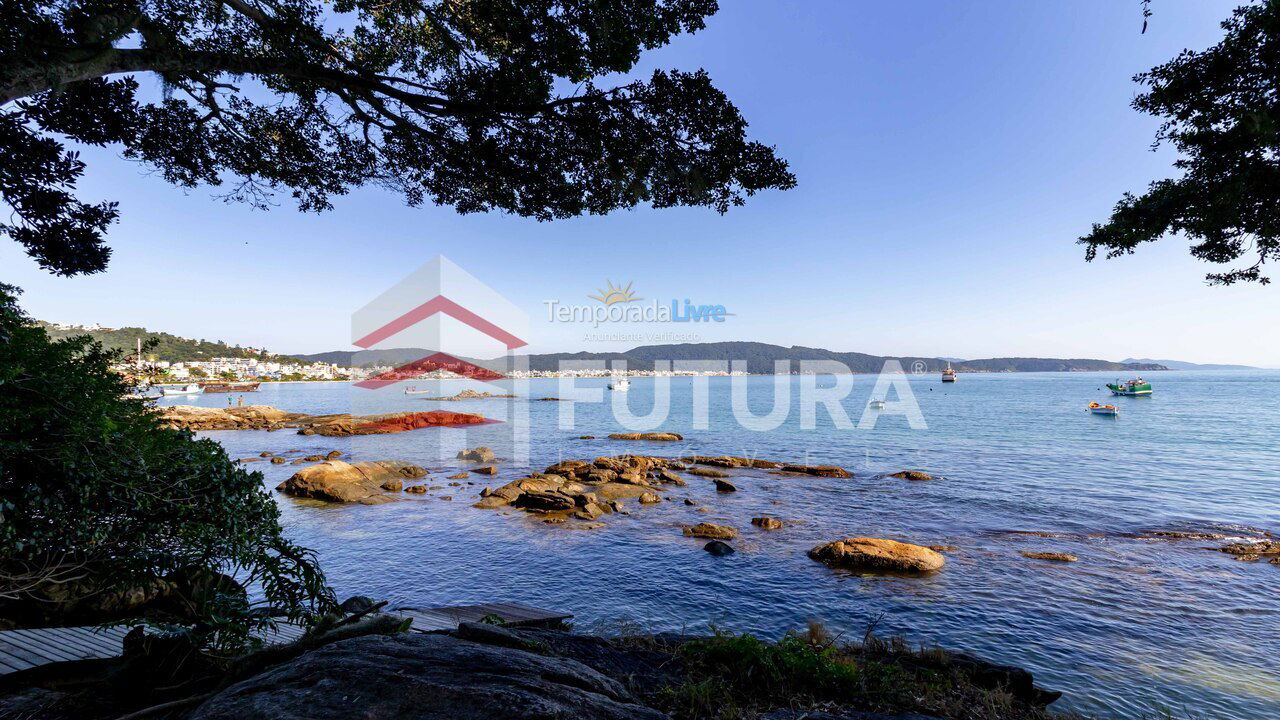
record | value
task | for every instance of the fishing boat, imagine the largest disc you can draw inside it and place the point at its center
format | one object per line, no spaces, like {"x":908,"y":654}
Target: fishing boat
{"x":620,"y":385}
{"x":190,"y":389}
{"x":1133,"y":388}
{"x":1100,"y":409}
{"x":948,"y":375}
{"x":877,"y":405}
{"x":229,"y":387}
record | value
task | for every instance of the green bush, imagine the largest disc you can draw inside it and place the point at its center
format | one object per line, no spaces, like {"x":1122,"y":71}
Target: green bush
{"x":102,"y":508}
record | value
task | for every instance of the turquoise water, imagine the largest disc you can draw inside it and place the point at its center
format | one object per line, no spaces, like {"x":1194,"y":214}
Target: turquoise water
{"x":1136,"y":626}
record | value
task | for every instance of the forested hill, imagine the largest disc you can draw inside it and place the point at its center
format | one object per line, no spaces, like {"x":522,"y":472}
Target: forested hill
{"x":759,"y":357}
{"x":168,"y":347}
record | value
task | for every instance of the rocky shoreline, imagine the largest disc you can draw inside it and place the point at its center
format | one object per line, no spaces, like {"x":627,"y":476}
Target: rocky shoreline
{"x":377,"y":666}
{"x":265,"y":417}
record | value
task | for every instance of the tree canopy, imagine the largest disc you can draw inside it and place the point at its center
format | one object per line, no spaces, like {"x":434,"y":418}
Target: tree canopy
{"x":107,"y":516}
{"x":477,"y":104}
{"x":1221,"y":110}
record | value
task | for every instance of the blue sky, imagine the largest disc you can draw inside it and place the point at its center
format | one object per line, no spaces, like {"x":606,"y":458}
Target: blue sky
{"x":948,"y":156}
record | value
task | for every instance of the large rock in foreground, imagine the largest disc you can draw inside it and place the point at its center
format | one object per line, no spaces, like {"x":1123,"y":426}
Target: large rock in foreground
{"x":878,"y":555}
{"x":425,"y":677}
{"x":339,"y":481}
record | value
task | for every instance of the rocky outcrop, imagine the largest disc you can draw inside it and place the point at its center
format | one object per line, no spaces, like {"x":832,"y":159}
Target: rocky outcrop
{"x":830,"y":471}
{"x":730,"y":461}
{"x":265,"y":417}
{"x":651,"y":436}
{"x":878,"y":555}
{"x":912,"y":475}
{"x":480,"y":454}
{"x":1041,"y":555}
{"x":471,"y":395}
{"x":582,"y":490}
{"x":339,"y":481}
{"x":708,"y":472}
{"x":426,"y":677}
{"x":711,"y":531}
{"x":1266,"y":547}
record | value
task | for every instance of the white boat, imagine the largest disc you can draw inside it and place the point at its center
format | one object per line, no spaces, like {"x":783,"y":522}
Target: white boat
{"x":190,"y":389}
{"x":877,"y":405}
{"x":413,"y":390}
{"x":620,"y":385}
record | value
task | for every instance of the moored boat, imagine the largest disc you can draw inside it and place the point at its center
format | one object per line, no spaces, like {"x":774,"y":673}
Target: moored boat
{"x":620,"y":385}
{"x":189,"y":389}
{"x":1100,"y":409}
{"x":948,"y":375}
{"x":1133,"y":388}
{"x":876,"y":405}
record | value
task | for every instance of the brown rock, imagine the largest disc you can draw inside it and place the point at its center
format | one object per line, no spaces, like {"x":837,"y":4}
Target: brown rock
{"x":416,"y":490}
{"x":1056,"y":556}
{"x":650,"y":436}
{"x":339,"y":481}
{"x":459,"y":476}
{"x":395,"y":485}
{"x":708,"y":472}
{"x":912,"y":475}
{"x":544,"y":501}
{"x":818,"y":470}
{"x":314,"y":458}
{"x":491,"y":502}
{"x":249,"y":460}
{"x":486,"y":470}
{"x":943,"y":548}
{"x":299,"y":461}
{"x":730,"y":461}
{"x":480,"y":454}
{"x":1266,"y":547}
{"x":766,"y":522}
{"x":650,"y":498}
{"x":277,"y":460}
{"x":725,"y":486}
{"x":878,"y":555}
{"x":333,"y":455}
{"x":264,"y":454}
{"x":711,"y":531}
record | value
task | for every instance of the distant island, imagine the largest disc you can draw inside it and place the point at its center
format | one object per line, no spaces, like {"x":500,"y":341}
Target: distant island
{"x":1180,"y":365}
{"x":759,"y":357}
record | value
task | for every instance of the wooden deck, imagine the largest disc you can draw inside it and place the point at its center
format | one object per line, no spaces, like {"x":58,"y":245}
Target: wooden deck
{"x":23,"y":649}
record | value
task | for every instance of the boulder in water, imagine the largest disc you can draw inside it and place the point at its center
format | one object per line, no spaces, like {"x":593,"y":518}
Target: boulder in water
{"x":878,"y":555}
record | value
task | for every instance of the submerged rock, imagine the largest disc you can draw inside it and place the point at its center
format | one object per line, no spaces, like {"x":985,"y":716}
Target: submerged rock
{"x":912,"y":475}
{"x":766,"y":522}
{"x":725,"y":486}
{"x":878,"y":555}
{"x":711,"y":531}
{"x":707,"y":472}
{"x":818,"y":470}
{"x":1044,"y":555}
{"x":339,"y":481}
{"x":1266,"y":547}
{"x":719,"y":548}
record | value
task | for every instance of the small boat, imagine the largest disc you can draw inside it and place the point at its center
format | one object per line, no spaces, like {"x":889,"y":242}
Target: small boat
{"x":1100,"y":409}
{"x":877,"y":405}
{"x":1133,"y":388}
{"x":229,"y":387}
{"x":620,"y":385}
{"x":413,"y":390}
{"x":191,"y":389}
{"x":948,"y":375}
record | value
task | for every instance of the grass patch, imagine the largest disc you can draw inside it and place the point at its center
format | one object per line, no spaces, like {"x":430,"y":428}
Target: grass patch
{"x":731,"y":676}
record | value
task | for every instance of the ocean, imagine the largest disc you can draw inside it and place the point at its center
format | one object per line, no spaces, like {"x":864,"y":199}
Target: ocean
{"x":1137,"y":626}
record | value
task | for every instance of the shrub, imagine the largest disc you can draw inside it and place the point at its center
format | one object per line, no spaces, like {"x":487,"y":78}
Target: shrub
{"x":104,"y":514}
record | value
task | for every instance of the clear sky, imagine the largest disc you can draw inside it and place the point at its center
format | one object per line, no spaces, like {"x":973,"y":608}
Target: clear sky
{"x":948,"y":155}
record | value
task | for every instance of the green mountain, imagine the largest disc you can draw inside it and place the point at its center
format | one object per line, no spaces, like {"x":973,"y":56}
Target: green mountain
{"x":168,"y":347}
{"x":759,"y":357}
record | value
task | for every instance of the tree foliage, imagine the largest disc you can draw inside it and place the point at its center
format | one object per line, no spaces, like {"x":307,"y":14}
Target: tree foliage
{"x":1221,"y":110}
{"x":96,"y":499}
{"x":478,"y":104}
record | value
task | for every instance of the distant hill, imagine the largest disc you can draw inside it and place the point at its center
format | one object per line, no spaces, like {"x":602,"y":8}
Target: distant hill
{"x":1180,"y":365}
{"x":759,"y":357}
{"x":170,"y":348}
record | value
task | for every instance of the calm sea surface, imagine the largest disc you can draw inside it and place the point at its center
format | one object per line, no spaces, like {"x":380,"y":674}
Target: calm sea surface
{"x":1136,"y":626}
